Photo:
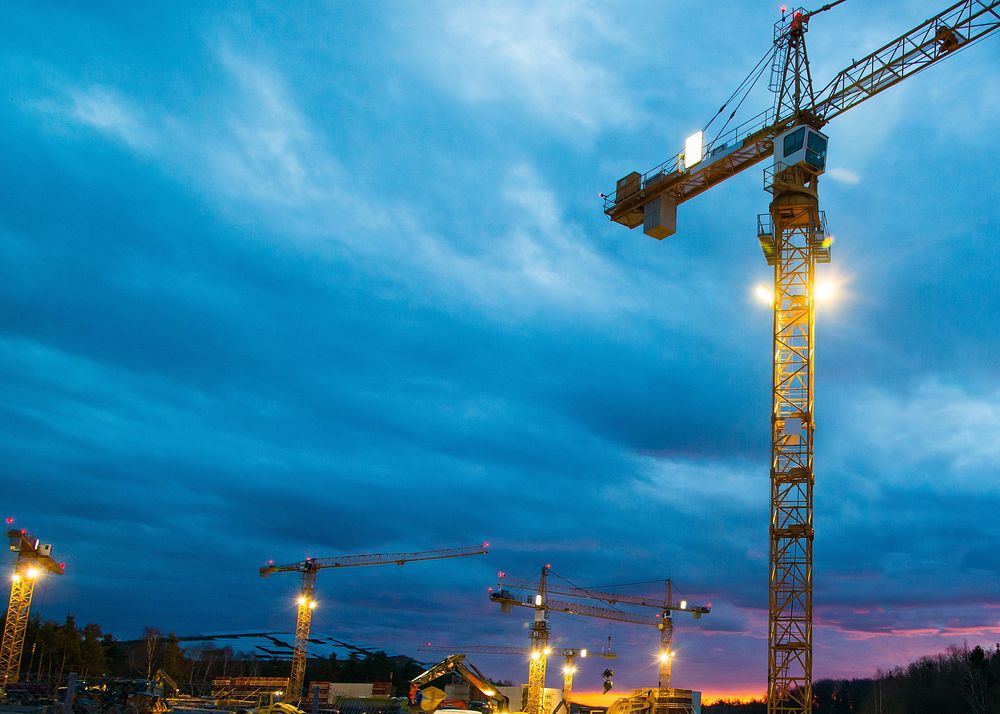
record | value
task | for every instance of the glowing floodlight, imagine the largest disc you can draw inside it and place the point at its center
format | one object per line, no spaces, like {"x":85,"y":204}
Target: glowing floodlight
{"x":764,"y":294}
{"x":538,"y":600}
{"x":693,"y":149}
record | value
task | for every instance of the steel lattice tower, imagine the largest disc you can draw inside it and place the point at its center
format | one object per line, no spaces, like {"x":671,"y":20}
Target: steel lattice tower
{"x":303,"y":621}
{"x":799,"y":235}
{"x":21,"y":589}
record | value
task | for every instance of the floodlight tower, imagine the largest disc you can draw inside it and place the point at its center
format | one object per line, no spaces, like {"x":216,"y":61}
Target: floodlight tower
{"x":34,"y":558}
{"x":794,"y":238}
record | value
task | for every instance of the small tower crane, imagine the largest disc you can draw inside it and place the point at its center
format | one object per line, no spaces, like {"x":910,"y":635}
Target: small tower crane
{"x":665,"y":604}
{"x":309,"y":569}
{"x":33,"y":560}
{"x":538,"y":599}
{"x":794,"y":238}
{"x":569,"y":654}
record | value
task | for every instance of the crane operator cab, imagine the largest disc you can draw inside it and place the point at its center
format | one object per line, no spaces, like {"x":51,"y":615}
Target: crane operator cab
{"x":801,"y":146}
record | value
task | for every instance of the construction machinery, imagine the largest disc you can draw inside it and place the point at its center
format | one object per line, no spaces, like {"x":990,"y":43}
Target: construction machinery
{"x":459,"y":664}
{"x":794,"y":238}
{"x":569,"y":655}
{"x":309,"y":569}
{"x":665,"y":604}
{"x":34,"y":559}
{"x":537,"y":598}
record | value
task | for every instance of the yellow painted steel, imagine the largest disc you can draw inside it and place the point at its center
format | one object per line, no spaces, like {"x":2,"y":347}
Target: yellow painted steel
{"x":303,"y":620}
{"x":15,"y":625}
{"x":798,"y":233}
{"x":536,"y":666}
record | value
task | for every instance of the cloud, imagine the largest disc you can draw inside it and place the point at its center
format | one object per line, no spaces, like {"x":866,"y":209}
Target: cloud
{"x":543,"y":60}
{"x":105,"y":110}
{"x":843,"y":175}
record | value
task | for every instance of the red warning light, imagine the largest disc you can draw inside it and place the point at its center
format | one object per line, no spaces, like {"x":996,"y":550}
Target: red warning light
{"x":784,"y":9}
{"x":62,"y":565}
{"x":489,"y":589}
{"x":24,"y":531}
{"x":10,"y":519}
{"x":486,"y":544}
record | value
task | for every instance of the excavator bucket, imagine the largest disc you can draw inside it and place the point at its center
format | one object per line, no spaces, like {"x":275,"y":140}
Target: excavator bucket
{"x":432,"y":697}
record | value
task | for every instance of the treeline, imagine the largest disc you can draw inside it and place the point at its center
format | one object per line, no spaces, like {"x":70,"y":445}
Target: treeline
{"x":960,"y":681}
{"x":53,"y":650}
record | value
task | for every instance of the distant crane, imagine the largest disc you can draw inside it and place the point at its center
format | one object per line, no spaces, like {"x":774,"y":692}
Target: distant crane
{"x":542,"y":604}
{"x":310,"y":567}
{"x":33,"y":560}
{"x":569,"y":655}
{"x":793,"y":237}
{"x":665,"y":604}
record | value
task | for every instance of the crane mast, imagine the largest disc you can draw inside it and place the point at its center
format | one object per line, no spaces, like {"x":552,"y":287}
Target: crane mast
{"x":793,"y":236}
{"x":306,"y":602}
{"x":33,"y":559}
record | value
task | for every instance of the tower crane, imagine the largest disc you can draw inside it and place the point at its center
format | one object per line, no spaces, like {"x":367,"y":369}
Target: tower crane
{"x":309,"y":569}
{"x":794,"y":238}
{"x":665,"y":604}
{"x":542,"y":604}
{"x":33,"y":560}
{"x":569,"y":654}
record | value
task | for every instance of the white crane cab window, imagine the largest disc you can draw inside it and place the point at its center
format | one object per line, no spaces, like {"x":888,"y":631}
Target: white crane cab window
{"x":801,"y":146}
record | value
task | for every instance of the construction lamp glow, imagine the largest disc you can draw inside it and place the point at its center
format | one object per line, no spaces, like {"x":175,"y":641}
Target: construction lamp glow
{"x":583,"y":653}
{"x":547,"y":651}
{"x":764,"y":294}
{"x":538,"y":600}
{"x":535,"y":655}
{"x":312,"y":604}
{"x":32,"y":573}
{"x":664,"y":657}
{"x":693,"y":148}
{"x":684,"y":604}
{"x":826,"y":290}
{"x":301,"y":601}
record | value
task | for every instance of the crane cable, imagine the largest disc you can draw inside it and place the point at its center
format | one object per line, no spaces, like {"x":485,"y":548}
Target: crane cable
{"x":763,"y":61}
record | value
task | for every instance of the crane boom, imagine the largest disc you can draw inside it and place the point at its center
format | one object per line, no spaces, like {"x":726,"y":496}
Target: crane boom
{"x":506,"y":597}
{"x":655,"y":601}
{"x":943,"y":35}
{"x":349,"y":561}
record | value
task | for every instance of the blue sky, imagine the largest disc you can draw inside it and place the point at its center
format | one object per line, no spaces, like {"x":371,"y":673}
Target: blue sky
{"x":287,"y":280}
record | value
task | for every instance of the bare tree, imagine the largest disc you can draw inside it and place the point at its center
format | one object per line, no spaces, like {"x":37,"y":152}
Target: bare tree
{"x":151,"y":636}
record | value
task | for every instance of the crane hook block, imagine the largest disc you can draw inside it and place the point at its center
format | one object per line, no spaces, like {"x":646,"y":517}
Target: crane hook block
{"x":659,"y":217}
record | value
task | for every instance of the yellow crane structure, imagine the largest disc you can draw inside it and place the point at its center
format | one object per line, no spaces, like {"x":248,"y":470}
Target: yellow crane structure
{"x":537,"y":598}
{"x":666,"y":605}
{"x":306,"y":602}
{"x":569,"y":655}
{"x":34,"y":559}
{"x":794,"y":238}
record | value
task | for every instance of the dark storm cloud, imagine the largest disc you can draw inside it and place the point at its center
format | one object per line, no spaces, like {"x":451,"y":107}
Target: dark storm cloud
{"x":267,"y":297}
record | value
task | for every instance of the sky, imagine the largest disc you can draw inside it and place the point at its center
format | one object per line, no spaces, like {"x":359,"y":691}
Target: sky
{"x":288,"y":280}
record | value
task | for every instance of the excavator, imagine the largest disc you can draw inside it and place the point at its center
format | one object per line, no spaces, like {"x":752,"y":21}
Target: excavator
{"x":429,"y":699}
